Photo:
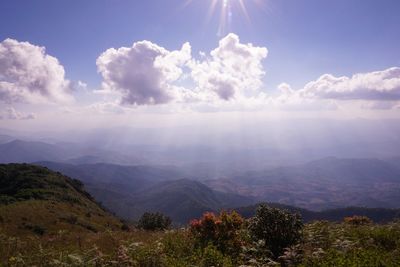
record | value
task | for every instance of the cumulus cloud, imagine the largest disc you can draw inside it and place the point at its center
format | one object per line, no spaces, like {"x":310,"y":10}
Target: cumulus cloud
{"x":144,"y":73}
{"x":28,"y":74}
{"x":231,"y":69}
{"x":378,"y":85}
{"x":147,"y":74}
{"x":285,"y":89}
{"x":11,"y":114}
{"x":230,"y":77}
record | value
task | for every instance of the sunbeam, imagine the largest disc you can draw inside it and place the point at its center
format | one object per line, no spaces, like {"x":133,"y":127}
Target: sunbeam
{"x":228,"y":9}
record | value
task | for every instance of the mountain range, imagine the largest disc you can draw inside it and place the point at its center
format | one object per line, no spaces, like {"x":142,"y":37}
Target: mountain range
{"x":326,"y":183}
{"x":130,"y":189}
{"x":378,"y":215}
{"x":21,"y":151}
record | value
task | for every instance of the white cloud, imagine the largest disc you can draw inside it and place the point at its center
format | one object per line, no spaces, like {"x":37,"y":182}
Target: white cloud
{"x":378,"y":85}
{"x":232,"y":69}
{"x":11,"y":114}
{"x":147,"y":74}
{"x":106,"y":108}
{"x":229,"y":78}
{"x":285,"y":89}
{"x":144,"y":73}
{"x":28,"y":74}
{"x":380,"y":105}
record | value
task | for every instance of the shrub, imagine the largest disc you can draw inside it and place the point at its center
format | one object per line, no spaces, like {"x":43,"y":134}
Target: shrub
{"x":213,"y":257}
{"x":222,"y":231}
{"x":358,"y":220}
{"x":125,"y":227}
{"x":278,"y":229}
{"x":154,"y":222}
{"x":386,"y":238}
{"x":6,"y":200}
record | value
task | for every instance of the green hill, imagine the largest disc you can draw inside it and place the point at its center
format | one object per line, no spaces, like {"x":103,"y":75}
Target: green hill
{"x":35,"y":199}
{"x":129,"y":191}
{"x":183,"y":200}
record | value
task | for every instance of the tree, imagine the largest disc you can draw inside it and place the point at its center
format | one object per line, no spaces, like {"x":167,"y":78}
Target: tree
{"x":277,"y":229}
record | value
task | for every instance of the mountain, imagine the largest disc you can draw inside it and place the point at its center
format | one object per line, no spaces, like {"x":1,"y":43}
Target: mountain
{"x":395,"y":161}
{"x":129,"y":191}
{"x":126,"y":178}
{"x":20,"y":151}
{"x":5,"y":138}
{"x":378,"y":215}
{"x":35,"y":199}
{"x":183,"y":200}
{"x":321,"y":184}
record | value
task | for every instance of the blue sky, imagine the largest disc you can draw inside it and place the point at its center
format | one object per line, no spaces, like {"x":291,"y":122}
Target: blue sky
{"x":305,"y":38}
{"x":312,"y":56}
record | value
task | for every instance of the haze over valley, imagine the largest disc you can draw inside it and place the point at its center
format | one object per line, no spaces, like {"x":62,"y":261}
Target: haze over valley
{"x":305,"y":163}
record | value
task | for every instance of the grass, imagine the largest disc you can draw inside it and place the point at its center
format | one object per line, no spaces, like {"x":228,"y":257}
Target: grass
{"x":22,"y":218}
{"x":324,"y":244}
{"x":35,"y":200}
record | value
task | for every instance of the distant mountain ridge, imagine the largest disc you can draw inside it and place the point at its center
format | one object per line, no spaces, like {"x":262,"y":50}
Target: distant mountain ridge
{"x":321,"y":184}
{"x":5,"y":138}
{"x":18,"y":151}
{"x":21,"y":151}
{"x":378,"y":215}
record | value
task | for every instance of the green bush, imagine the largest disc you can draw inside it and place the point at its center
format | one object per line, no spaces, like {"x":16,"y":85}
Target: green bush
{"x":277,"y":229}
{"x":6,"y":200}
{"x":386,"y":238}
{"x":213,"y":257}
{"x":154,"y":222}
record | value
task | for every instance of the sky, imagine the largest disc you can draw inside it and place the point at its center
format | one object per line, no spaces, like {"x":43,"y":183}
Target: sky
{"x":122,"y":62}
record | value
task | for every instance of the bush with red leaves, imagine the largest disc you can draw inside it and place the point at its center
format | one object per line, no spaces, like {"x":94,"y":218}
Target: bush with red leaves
{"x":222,"y":231}
{"x":358,"y":220}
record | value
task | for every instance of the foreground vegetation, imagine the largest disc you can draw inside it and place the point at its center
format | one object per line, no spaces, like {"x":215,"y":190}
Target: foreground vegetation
{"x":48,"y":219}
{"x":321,"y":244}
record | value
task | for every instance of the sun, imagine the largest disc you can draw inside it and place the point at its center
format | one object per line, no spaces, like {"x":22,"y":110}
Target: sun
{"x":227,"y":11}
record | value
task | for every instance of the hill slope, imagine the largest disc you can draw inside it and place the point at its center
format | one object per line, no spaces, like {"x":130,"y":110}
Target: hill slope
{"x":33,"y":198}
